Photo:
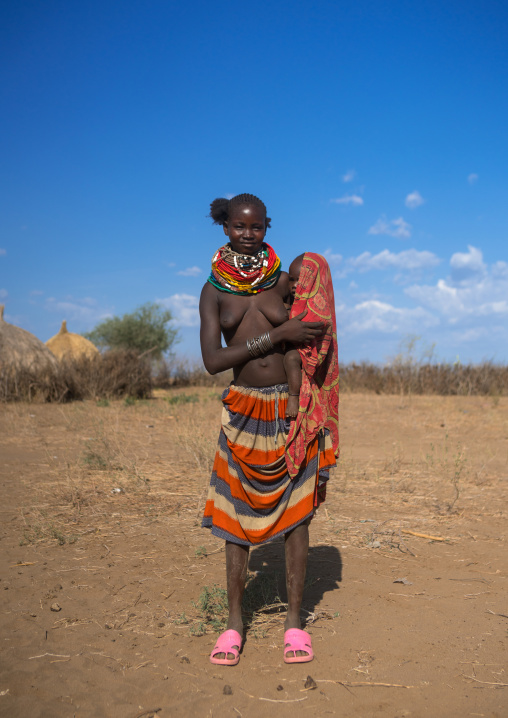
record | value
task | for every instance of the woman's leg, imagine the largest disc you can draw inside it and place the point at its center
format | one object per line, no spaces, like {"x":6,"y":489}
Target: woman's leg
{"x":237,"y":557}
{"x":297,"y":550}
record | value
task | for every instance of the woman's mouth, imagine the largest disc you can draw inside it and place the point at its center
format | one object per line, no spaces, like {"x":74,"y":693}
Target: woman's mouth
{"x":248,"y":243}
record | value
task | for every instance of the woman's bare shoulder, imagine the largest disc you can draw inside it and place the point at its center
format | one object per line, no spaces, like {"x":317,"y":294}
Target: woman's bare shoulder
{"x":283,"y":283}
{"x":209,"y":297}
{"x":209,"y":290}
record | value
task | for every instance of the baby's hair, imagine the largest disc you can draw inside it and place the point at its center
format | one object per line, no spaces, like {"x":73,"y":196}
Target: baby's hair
{"x":220,"y":208}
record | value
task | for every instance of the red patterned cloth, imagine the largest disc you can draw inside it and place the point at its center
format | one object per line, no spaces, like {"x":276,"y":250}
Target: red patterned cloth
{"x":319,"y":394}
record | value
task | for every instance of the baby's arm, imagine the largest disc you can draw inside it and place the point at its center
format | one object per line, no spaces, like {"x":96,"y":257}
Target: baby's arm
{"x":293,"y":367}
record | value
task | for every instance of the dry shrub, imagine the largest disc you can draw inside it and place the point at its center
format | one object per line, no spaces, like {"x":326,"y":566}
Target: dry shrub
{"x":186,"y":372}
{"x":113,"y":374}
{"x":399,"y":377}
{"x":416,"y":378}
{"x":123,"y":373}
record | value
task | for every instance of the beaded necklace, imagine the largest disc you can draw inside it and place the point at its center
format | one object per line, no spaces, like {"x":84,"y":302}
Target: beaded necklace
{"x":244,"y":273}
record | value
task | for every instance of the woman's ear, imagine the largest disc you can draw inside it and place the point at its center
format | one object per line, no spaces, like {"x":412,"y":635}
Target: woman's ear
{"x":225,"y":228}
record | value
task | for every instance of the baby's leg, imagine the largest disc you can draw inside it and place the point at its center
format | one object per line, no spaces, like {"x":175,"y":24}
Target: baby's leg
{"x":293,"y":368}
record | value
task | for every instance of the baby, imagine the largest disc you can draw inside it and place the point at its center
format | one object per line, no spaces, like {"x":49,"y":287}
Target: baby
{"x":292,"y":358}
{"x":312,"y":371}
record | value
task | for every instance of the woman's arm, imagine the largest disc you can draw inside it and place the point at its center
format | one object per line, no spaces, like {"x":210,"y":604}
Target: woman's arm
{"x":297,"y":331}
{"x":217,"y":358}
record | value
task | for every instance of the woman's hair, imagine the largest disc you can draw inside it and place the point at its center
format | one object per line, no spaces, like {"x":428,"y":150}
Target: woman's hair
{"x":220,"y":208}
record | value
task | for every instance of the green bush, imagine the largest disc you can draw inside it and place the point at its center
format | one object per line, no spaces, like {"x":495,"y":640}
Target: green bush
{"x":145,"y":330}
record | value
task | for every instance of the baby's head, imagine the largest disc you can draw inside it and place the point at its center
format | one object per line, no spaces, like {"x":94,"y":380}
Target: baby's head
{"x":294,"y":273}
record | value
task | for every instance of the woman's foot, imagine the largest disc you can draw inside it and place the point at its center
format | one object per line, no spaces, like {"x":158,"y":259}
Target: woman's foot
{"x":297,"y":646}
{"x":234,"y":625}
{"x":226,"y":651}
{"x":294,"y":622}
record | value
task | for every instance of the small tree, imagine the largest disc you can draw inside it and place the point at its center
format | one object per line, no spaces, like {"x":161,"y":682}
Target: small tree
{"x":144,"y":330}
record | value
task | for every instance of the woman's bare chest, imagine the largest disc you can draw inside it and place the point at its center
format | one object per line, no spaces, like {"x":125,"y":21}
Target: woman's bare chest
{"x":264,"y":307}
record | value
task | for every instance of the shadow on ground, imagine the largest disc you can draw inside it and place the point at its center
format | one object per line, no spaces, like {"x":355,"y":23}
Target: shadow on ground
{"x":267,"y":586}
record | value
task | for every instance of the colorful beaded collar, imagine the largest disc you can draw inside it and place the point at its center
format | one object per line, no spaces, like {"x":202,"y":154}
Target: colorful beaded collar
{"x":244,"y":273}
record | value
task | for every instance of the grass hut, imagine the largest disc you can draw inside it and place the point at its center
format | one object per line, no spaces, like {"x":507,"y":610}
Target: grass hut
{"x":68,"y":345}
{"x":22,"y":351}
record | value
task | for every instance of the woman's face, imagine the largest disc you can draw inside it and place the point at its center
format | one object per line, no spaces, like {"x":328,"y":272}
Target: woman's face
{"x":246,"y":228}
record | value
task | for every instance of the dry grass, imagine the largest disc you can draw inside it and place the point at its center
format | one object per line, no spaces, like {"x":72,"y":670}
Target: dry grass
{"x":404,"y":377}
{"x":104,"y":455}
{"x":178,"y":371}
{"x":486,"y":379}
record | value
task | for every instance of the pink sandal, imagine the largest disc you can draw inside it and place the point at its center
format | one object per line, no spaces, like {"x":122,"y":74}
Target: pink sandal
{"x":228,"y":642}
{"x":297,"y":640}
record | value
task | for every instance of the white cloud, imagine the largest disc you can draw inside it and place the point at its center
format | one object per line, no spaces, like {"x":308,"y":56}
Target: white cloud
{"x":500,"y":270}
{"x":170,"y":264}
{"x":376,"y":316}
{"x":349,"y":176}
{"x":471,"y":291}
{"x":3,"y":293}
{"x":464,"y":311}
{"x":228,"y":195}
{"x":85,"y":311}
{"x":471,"y":335}
{"x":395,"y":228}
{"x":185,"y":309}
{"x":456,"y":303}
{"x":331,"y":258}
{"x":190,"y":272}
{"x":472,"y":178}
{"x":410,"y":259}
{"x":36,"y":293}
{"x":467,"y":266}
{"x":353,"y":199}
{"x":2,"y":252}
{"x":414,"y":200}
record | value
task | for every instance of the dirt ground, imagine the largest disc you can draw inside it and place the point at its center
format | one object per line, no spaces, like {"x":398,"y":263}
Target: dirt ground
{"x":111,"y":591}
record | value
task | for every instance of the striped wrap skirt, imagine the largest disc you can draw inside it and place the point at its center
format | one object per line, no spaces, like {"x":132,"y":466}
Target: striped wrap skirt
{"x":251,"y":498}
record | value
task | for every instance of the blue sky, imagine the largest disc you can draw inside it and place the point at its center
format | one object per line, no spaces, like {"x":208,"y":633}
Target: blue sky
{"x":375,"y":133}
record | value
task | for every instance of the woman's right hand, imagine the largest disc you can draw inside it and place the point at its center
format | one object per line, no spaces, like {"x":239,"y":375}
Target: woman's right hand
{"x":297,"y":331}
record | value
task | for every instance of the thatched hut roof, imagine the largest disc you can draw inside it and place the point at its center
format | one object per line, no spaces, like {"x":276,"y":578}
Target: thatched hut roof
{"x":21,"y":350}
{"x":70,"y":345}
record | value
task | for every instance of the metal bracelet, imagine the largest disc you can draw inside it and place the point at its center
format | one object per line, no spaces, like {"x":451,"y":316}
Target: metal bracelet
{"x":265,"y":342}
{"x":253,"y":348}
{"x":259,"y":345}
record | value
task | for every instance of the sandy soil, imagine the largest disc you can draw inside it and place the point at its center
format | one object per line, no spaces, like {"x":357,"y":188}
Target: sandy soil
{"x":104,"y":562}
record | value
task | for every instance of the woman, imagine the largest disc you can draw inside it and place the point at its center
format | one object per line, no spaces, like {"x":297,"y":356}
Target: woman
{"x":252,"y":499}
